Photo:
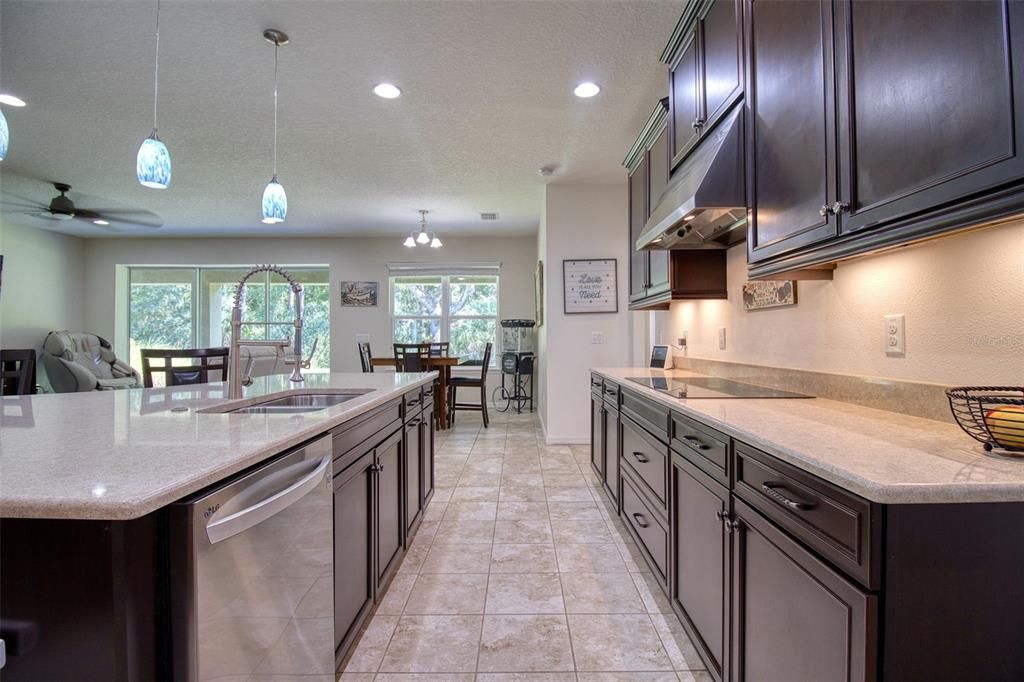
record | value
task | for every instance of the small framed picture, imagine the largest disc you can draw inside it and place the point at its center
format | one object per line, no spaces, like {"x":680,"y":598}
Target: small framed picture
{"x":358,"y":294}
{"x":762,"y":294}
{"x":590,"y":286}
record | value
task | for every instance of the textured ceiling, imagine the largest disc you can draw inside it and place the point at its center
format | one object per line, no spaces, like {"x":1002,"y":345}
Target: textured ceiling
{"x":487,"y":100}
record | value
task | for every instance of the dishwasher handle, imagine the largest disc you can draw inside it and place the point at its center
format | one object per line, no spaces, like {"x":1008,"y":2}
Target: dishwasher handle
{"x":242,"y":520}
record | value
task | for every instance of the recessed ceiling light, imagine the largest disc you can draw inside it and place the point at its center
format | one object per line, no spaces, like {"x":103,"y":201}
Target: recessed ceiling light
{"x":386,"y":90}
{"x":587,"y":89}
{"x":100,"y":222}
{"x":11,"y":100}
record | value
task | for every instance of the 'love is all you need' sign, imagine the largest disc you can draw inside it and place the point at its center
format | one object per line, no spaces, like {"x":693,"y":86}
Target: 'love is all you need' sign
{"x":590,"y":286}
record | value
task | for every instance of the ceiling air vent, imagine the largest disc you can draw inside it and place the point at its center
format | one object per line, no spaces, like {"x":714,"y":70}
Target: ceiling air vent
{"x":488,"y":216}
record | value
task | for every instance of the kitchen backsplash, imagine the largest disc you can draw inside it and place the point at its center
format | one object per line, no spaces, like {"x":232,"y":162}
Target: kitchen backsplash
{"x":963,"y":302}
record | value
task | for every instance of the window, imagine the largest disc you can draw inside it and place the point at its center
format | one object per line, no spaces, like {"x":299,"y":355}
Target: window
{"x":190,"y":307}
{"x":459,"y":308}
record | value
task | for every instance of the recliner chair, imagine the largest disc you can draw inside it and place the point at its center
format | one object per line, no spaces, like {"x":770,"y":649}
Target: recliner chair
{"x":77,"y":361}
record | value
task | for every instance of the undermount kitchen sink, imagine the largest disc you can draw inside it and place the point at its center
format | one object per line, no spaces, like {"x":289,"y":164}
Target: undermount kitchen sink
{"x":297,"y":403}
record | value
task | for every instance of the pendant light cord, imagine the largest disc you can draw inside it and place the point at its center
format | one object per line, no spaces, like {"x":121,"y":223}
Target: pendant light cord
{"x":156,"y":68}
{"x":276,"y":46}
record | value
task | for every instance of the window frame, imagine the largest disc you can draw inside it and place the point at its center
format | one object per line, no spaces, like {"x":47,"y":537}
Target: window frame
{"x":198,"y":325}
{"x":445,"y":318}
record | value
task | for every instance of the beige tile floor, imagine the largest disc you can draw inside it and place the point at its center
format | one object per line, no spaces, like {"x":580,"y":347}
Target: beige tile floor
{"x":521,"y":573}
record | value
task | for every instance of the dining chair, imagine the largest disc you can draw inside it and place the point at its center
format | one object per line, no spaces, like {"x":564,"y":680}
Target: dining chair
{"x":365,"y":357}
{"x":470,"y":382}
{"x":439,"y":349}
{"x":411,"y":357}
{"x":182,"y":375}
{"x":17,"y":371}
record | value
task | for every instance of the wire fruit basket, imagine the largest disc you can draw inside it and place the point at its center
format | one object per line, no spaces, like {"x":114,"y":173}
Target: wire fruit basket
{"x":993,"y":415}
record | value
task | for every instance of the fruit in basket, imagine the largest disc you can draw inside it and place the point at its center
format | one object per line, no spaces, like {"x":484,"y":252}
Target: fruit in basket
{"x":1006,"y":424}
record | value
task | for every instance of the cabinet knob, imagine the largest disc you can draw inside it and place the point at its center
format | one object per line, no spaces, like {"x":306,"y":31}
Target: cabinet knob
{"x":722,"y":514}
{"x":697,"y":123}
{"x":733,"y":525}
{"x":839,"y":206}
{"x":825,"y":211}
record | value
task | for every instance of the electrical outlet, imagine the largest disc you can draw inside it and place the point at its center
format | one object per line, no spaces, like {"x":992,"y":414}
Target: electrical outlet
{"x":895,"y":335}
{"x":721,"y":338}
{"x":596,"y":337}
{"x":362,"y":338}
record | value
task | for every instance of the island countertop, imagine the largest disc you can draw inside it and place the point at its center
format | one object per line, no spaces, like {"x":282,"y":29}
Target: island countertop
{"x":882,"y":456}
{"x":119,"y":455}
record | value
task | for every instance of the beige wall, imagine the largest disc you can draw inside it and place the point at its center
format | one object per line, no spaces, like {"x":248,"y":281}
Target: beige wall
{"x":42,"y":285}
{"x":963,"y":298}
{"x":580,"y":222}
{"x":348,"y":259}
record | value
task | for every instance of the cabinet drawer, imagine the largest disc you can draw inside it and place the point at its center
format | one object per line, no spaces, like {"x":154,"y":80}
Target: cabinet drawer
{"x":843,"y":528}
{"x":596,"y":383}
{"x":366,"y":431}
{"x":702,"y":445}
{"x":611,"y":393}
{"x":649,"y":414}
{"x":648,"y":457}
{"x":648,"y":529}
{"x":412,"y":403}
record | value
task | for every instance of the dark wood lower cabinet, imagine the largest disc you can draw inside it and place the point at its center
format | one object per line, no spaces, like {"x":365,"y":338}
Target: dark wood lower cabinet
{"x":354,"y":575}
{"x":794,"y":618}
{"x":427,"y":454}
{"x":597,"y":431}
{"x":701,"y":558}
{"x":612,"y":450}
{"x":413,"y":473}
{"x":389,"y":457}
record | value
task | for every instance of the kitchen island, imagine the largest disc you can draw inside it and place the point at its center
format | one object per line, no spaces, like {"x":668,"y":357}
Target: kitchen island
{"x":808,"y":539}
{"x":93,"y":567}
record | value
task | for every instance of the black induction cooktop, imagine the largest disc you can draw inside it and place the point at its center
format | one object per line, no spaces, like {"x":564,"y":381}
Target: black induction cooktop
{"x":711,"y":387}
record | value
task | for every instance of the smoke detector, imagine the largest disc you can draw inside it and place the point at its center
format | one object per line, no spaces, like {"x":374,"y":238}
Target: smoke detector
{"x":488,"y":216}
{"x":546,"y":171}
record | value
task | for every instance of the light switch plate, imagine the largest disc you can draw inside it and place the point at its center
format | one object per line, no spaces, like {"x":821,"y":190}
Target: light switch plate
{"x":895,"y":335}
{"x":721,"y":338}
{"x":596,"y":337}
{"x":362,"y":338}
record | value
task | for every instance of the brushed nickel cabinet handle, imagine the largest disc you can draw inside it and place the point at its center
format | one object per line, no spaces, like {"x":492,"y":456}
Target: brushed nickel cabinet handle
{"x":641,"y":520}
{"x":641,"y":457}
{"x":769,"y":488}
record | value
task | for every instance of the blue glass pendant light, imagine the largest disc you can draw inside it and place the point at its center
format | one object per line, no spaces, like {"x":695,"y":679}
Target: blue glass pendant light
{"x":5,"y":136}
{"x":275,"y":201}
{"x":153,"y":162}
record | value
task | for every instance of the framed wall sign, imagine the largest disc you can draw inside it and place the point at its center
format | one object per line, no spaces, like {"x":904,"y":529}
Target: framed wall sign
{"x":590,"y":286}
{"x":761,"y":294}
{"x":358,"y":294}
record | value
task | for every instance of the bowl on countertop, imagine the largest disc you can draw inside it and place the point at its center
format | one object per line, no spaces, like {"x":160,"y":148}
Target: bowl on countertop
{"x":992,"y":415}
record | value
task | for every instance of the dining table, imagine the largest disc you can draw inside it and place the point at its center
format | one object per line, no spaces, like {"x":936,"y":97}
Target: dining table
{"x":443,"y":365}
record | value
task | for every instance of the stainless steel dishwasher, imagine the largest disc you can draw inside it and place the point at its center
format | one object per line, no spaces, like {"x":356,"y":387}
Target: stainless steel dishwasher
{"x":251,"y":573}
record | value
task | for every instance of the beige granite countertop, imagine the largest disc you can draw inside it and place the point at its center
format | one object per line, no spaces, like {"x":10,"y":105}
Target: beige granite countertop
{"x":122,"y":454}
{"x":882,"y":456}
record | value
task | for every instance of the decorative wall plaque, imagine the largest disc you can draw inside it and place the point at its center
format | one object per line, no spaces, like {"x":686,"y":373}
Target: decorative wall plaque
{"x":762,"y":294}
{"x":590,"y":286}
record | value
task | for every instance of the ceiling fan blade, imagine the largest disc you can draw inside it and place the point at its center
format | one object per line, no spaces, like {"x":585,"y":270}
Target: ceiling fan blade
{"x":20,"y":207}
{"x":151,"y":220}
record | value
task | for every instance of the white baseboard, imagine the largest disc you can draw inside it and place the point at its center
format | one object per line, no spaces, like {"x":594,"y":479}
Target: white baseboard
{"x":565,"y":440}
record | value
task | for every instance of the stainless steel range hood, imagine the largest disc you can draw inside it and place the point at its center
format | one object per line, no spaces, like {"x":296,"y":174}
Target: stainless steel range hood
{"x":704,"y":206}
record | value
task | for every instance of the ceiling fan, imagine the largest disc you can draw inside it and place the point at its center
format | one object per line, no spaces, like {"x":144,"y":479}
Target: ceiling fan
{"x":62,"y":208}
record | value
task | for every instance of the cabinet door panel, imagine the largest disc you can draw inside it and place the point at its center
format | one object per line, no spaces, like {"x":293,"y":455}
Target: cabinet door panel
{"x":928,"y":116}
{"x":657,"y":161}
{"x":684,"y":101}
{"x":796,"y":619}
{"x":390,"y":532}
{"x":611,"y":449}
{"x":637,"y":218}
{"x":354,"y":580}
{"x":792,"y":128}
{"x":427,"y":455}
{"x":597,"y":449}
{"x":720,"y":39}
{"x":701,"y":558}
{"x":412,"y":474}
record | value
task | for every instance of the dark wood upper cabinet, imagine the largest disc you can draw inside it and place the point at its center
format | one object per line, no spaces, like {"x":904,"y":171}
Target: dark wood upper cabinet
{"x":705,"y":71}
{"x":926,"y":106}
{"x":638,"y":260}
{"x":794,"y":618}
{"x":791,"y":169}
{"x":684,"y":99}
{"x":658,"y":267}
